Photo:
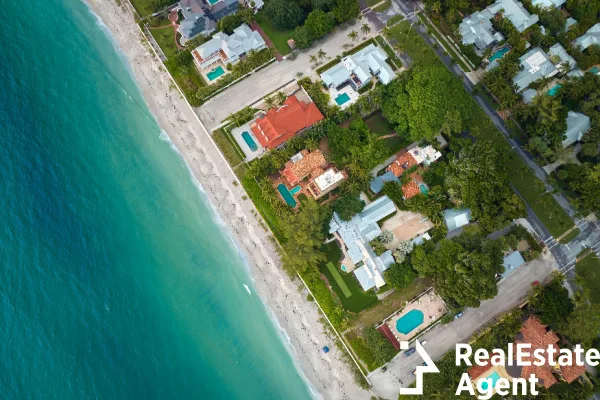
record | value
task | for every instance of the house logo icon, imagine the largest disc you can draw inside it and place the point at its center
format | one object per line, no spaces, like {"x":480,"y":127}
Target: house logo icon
{"x":429,"y":367}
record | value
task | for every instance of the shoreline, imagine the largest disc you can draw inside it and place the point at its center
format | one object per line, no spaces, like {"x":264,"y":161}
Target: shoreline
{"x":295,"y":319}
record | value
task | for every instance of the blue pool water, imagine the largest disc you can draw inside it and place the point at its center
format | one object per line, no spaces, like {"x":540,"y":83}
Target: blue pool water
{"x":410,"y":321}
{"x":215,"y":73}
{"x":287,"y":196}
{"x":249,"y":141}
{"x":499,"y":54}
{"x":554,"y":91}
{"x":213,"y":1}
{"x":494,"y":377}
{"x":342,"y":98}
{"x":423,"y":189}
{"x":594,"y":70}
{"x":295,"y":190}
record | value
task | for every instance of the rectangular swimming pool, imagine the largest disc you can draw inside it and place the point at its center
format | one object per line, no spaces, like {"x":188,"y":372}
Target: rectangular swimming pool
{"x":494,"y":377}
{"x":423,"y":189}
{"x":287,"y":196}
{"x":249,"y":141}
{"x":215,"y":73}
{"x":554,"y":90}
{"x":342,"y":98}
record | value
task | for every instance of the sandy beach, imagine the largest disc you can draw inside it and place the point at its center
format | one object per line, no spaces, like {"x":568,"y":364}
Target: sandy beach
{"x":328,"y":374}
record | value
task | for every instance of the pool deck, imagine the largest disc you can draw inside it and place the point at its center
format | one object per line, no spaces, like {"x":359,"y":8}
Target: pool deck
{"x":499,"y":369}
{"x":205,"y":71}
{"x":237,"y":135}
{"x":433,"y":308}
{"x":353,"y":94}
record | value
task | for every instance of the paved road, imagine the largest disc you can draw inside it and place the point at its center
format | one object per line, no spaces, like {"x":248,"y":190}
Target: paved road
{"x":273,"y":77}
{"x":442,"y":338}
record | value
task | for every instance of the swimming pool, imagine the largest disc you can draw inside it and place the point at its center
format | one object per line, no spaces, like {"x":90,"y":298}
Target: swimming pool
{"x":594,"y":70}
{"x":554,"y":90}
{"x":213,"y":1}
{"x":287,"y":196}
{"x":494,"y":377}
{"x":249,"y":141}
{"x":499,"y":54}
{"x":423,"y":189}
{"x":410,"y":321}
{"x":342,"y":98}
{"x":295,"y":190}
{"x":215,"y":73}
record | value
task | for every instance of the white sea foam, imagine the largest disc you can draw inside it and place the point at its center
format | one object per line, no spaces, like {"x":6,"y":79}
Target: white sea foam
{"x":247,"y":289}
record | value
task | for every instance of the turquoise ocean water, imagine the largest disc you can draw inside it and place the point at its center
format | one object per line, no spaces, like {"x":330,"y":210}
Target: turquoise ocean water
{"x":116,"y":281}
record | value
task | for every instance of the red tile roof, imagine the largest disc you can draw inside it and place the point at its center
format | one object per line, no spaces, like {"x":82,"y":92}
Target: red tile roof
{"x":478,"y":370}
{"x":294,"y":172}
{"x":402,"y":163}
{"x":411,"y":189}
{"x":283,"y":122}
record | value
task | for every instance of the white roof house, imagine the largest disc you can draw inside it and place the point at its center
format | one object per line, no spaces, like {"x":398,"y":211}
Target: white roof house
{"x":535,"y":64}
{"x":592,"y":36}
{"x":456,"y":218}
{"x":425,"y":155}
{"x":358,"y":69}
{"x":328,"y":179}
{"x":577,"y":125}
{"x":557,"y":50}
{"x":548,"y":3}
{"x":477,"y":29}
{"x":355,"y":236}
{"x":229,"y":48}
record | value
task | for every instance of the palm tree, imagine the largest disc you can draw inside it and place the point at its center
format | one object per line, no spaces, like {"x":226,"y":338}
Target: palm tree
{"x":353,"y":35}
{"x":281,"y":97}
{"x":365,"y":28}
{"x":321,"y":54}
{"x":436,"y":7}
{"x":311,"y":143}
{"x":313,"y":59}
{"x":399,"y":48}
{"x":270,"y":101}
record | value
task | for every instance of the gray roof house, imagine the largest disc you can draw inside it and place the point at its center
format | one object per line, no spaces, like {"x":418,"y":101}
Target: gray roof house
{"x":559,"y":52}
{"x":577,"y":125}
{"x":456,"y":218}
{"x":535,"y":64}
{"x":548,"y":3}
{"x":477,"y":29}
{"x":358,"y":68}
{"x":528,"y":95}
{"x":378,"y":182}
{"x":229,"y":48}
{"x":511,"y":262}
{"x":576,"y":73}
{"x":200,"y":16}
{"x":569,"y":23}
{"x":355,"y":236}
{"x":592,"y":36}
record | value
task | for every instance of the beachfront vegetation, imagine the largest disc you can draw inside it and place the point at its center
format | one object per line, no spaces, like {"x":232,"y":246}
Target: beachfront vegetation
{"x":182,"y":69}
{"x":372,"y":348}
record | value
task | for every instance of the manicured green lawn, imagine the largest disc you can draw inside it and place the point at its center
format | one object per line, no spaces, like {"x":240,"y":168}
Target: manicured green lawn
{"x":279,"y":38}
{"x":589,"y":270}
{"x":572,"y":235}
{"x":143,"y":7}
{"x":358,"y":299}
{"x":379,"y":125}
{"x":372,"y":2}
{"x":166,"y":40}
{"x":394,"y":60}
{"x":394,"y":19}
{"x":338,"y":279}
{"x":413,"y":43}
{"x":384,"y":6}
{"x":447,"y":46}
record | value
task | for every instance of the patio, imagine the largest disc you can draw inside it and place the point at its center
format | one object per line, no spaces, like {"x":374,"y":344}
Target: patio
{"x":406,"y":225}
{"x":345,"y":92}
{"x":246,"y":144}
{"x":430,"y":304}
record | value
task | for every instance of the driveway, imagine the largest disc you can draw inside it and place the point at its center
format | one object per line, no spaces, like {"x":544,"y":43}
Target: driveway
{"x":273,"y":77}
{"x":442,"y":338}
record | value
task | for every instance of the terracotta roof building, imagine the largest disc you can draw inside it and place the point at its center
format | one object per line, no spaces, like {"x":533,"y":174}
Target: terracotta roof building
{"x":302,"y":164}
{"x":540,"y":337}
{"x":402,"y":163}
{"x":281,"y":123}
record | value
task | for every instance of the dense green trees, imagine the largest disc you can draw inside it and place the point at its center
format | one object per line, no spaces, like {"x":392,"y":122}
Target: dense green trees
{"x":553,"y":19}
{"x":228,"y":23}
{"x":583,"y":325}
{"x":425,"y":101}
{"x":284,"y":14}
{"x":355,"y":147}
{"x":317,"y":24}
{"x":400,"y":276}
{"x":463,"y":269}
{"x":304,"y":236}
{"x":584,"y":11}
{"x":478,"y":178}
{"x":348,"y":205}
{"x":552,"y":303}
{"x":584,"y":179}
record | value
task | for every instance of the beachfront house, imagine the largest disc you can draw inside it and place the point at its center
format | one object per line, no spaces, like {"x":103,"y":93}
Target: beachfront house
{"x":354,"y":237}
{"x":577,"y":125}
{"x":225,"y":49}
{"x":456,"y":218}
{"x":591,"y":37}
{"x":477,"y":29}
{"x":535,"y":64}
{"x":201,"y":16}
{"x":359,"y":68}
{"x":281,"y":123}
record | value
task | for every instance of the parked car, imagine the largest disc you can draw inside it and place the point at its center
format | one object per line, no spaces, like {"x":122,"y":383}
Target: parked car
{"x":410,"y":351}
{"x":457,"y":316}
